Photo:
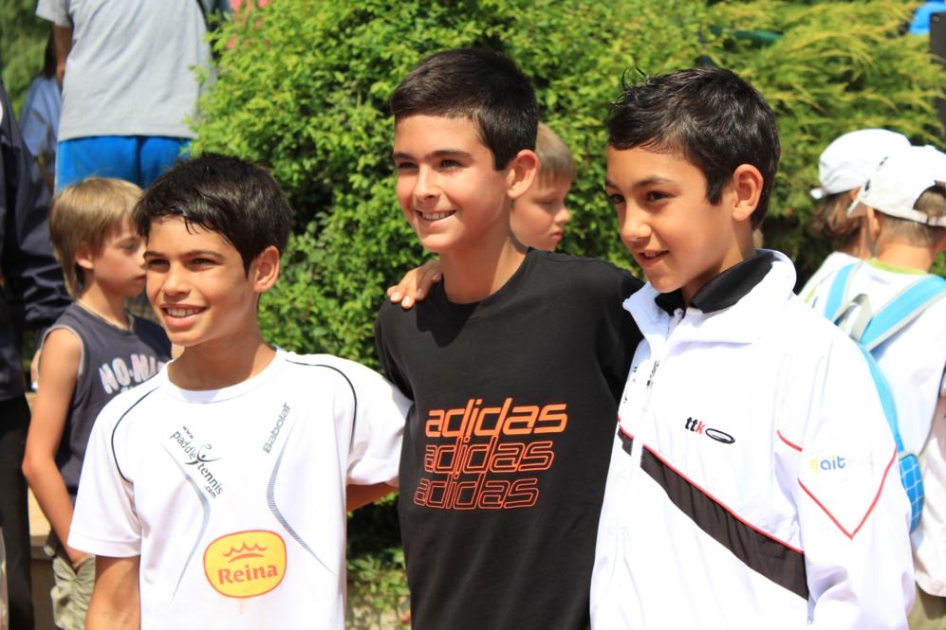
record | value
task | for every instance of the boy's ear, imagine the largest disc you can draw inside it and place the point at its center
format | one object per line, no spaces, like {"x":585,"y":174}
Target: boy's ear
{"x":84,"y":256}
{"x":264,"y":271}
{"x":873,"y":222}
{"x":747,"y":183}
{"x":521,"y":172}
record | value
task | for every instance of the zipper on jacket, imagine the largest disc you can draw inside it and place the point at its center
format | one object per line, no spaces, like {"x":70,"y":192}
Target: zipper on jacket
{"x":653,"y":370}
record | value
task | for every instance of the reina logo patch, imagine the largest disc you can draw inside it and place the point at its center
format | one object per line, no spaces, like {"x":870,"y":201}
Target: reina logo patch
{"x":246,"y":564}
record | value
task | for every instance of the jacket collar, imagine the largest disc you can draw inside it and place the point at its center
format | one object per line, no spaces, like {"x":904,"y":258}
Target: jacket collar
{"x":747,"y":293}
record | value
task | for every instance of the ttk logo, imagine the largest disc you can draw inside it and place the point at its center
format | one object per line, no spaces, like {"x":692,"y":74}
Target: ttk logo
{"x":698,"y":426}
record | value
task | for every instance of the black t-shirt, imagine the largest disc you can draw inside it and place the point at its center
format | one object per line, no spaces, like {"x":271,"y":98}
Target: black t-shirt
{"x":505,"y":459}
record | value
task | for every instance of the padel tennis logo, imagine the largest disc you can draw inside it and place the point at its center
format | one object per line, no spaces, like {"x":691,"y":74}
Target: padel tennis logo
{"x":246,"y":564}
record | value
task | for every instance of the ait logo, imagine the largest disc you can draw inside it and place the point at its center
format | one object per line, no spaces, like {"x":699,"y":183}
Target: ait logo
{"x":698,"y":426}
{"x":246,"y":564}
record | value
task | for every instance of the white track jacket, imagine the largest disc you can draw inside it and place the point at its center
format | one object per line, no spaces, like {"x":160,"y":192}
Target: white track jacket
{"x":753,"y":481}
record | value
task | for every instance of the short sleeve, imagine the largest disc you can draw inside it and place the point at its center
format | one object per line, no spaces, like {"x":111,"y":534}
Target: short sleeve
{"x":56,"y":11}
{"x":105,"y":522}
{"x":380,"y":412}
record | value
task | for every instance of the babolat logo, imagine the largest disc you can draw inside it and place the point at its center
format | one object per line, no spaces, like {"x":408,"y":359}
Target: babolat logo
{"x":276,"y":428}
{"x":697,"y":426}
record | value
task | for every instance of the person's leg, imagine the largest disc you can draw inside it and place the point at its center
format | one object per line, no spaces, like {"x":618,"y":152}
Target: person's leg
{"x":14,"y":510}
{"x":96,"y":156}
{"x":929,"y":612}
{"x":157,"y":154}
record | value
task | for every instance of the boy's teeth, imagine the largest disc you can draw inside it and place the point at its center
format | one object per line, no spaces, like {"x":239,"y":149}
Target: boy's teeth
{"x":434,"y":216}
{"x":180,"y":312}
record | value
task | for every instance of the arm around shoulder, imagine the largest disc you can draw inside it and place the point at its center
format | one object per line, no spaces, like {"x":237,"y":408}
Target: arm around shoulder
{"x":116,"y":602}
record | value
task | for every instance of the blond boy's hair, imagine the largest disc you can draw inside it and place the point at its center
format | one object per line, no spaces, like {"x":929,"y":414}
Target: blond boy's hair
{"x":932,"y":203}
{"x":84,"y":215}
{"x":832,"y":222}
{"x":556,"y":162}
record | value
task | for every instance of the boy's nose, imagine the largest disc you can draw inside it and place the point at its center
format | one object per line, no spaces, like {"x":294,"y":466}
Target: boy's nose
{"x":172,"y":282}
{"x":425,"y":186}
{"x":563,"y":216}
{"x":633,"y":227}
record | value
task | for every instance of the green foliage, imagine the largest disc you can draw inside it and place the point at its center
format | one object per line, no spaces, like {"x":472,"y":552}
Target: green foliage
{"x":22,"y":40}
{"x":304,"y":90}
{"x":837,"y":67}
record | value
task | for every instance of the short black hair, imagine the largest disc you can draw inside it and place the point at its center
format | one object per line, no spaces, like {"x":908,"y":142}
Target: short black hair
{"x":710,"y":116}
{"x":234,"y":198}
{"x":480,"y":85}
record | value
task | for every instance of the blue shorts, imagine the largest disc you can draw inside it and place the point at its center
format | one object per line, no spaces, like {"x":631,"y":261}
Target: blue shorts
{"x":137,"y":159}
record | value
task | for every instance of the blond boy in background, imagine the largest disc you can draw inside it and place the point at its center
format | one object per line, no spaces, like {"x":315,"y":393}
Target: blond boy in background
{"x":94,"y":351}
{"x":539,"y":217}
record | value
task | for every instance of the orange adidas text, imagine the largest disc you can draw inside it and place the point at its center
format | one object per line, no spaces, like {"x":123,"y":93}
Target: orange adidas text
{"x":476,"y":420}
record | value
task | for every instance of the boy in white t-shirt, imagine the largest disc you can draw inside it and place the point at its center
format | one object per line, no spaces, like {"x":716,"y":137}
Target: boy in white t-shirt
{"x":214,"y":495}
{"x":904,"y":203}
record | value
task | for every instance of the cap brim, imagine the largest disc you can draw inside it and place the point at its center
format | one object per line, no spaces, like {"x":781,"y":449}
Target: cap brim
{"x":817,"y":193}
{"x":856,"y":209}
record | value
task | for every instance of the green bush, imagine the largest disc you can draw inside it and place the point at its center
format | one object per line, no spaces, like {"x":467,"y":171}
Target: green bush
{"x":304,"y":89}
{"x":836,"y":67}
{"x":304,"y":85}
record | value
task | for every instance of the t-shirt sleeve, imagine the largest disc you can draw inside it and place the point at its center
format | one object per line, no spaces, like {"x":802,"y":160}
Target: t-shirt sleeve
{"x":56,"y":11}
{"x":105,"y":522}
{"x":379,"y":412}
{"x":618,"y":335}
{"x":35,"y":122}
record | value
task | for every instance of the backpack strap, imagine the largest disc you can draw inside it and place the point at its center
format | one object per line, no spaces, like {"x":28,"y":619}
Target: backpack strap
{"x":839,"y":289}
{"x":903,"y":309}
{"x":851,"y":315}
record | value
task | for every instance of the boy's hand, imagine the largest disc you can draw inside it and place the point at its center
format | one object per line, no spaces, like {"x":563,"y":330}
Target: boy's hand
{"x":76,"y":557}
{"x":416,"y":283}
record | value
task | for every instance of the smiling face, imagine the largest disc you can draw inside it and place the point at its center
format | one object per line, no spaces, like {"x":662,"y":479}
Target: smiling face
{"x":447,"y":185}
{"x":198,"y":286}
{"x":538,"y":217}
{"x":679,"y":239}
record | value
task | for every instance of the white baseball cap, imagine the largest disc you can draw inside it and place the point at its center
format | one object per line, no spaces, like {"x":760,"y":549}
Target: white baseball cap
{"x":851,"y":158}
{"x":898,"y":182}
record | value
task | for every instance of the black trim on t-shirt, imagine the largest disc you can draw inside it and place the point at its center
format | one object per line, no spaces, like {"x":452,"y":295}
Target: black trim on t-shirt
{"x":723,"y":290}
{"x":763,"y":554}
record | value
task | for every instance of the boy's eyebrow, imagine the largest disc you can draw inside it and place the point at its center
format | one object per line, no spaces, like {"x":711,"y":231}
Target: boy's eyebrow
{"x":193,"y":252}
{"x":653,"y":180}
{"x":400,"y":155}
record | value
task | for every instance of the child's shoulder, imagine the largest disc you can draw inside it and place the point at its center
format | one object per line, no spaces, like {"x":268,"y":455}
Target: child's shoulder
{"x":328,"y":366}
{"x":564,"y":276}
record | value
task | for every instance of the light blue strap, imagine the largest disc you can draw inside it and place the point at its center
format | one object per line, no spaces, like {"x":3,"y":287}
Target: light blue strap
{"x":902,"y":310}
{"x":886,"y":397}
{"x":838,"y":290}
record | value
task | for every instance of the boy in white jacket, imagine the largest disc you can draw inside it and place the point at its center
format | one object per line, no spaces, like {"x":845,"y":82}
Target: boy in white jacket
{"x":754,"y":481}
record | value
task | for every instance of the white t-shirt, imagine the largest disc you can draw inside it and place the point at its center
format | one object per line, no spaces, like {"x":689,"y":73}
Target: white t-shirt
{"x":39,"y":119}
{"x":913,"y":361}
{"x":131,"y":69}
{"x":832,"y":263}
{"x":235,"y":498}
